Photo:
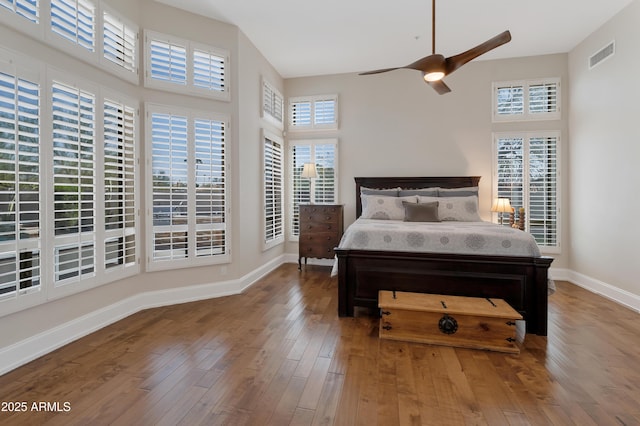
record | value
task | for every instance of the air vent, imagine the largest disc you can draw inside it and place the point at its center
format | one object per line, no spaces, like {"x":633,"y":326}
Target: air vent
{"x":602,"y":54}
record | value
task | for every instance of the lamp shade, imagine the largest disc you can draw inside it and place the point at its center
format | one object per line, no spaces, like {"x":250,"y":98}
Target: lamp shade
{"x":501,"y":205}
{"x":309,"y":170}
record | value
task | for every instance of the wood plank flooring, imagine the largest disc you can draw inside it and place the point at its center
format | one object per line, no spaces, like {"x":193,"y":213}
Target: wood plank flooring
{"x":279,"y":355}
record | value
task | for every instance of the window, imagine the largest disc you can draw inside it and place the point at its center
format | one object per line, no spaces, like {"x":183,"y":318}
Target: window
{"x":120,"y":43}
{"x":526,"y":100}
{"x":273,"y":190}
{"x":323,"y":189}
{"x":182,"y":66}
{"x":313,"y":113}
{"x":74,"y":20}
{"x":526,"y":172}
{"x":74,"y":182}
{"x":20,"y":185}
{"x":120,"y":176}
{"x":68,"y":205}
{"x":188,"y":197}
{"x":28,"y":9}
{"x":272,"y":104}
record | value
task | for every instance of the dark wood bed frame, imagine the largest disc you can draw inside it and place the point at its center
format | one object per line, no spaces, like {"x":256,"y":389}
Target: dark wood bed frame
{"x":521,"y":281}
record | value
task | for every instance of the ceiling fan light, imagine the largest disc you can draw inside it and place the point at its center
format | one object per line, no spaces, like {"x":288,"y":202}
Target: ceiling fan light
{"x":433,"y":76}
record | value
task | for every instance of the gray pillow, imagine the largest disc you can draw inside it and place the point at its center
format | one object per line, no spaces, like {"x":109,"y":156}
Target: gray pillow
{"x":427,"y":192}
{"x":423,"y":212}
{"x":458,"y":192}
{"x":463,"y":209}
{"x":390,"y":192}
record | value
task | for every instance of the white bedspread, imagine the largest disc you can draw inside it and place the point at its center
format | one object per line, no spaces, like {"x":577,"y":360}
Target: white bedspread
{"x":482,"y":238}
{"x":442,"y":237}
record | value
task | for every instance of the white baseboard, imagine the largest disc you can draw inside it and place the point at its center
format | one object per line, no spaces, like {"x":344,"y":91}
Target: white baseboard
{"x":20,"y":353}
{"x":623,"y":297}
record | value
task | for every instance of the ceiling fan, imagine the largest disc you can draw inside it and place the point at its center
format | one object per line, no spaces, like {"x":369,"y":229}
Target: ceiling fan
{"x":435,"y":66}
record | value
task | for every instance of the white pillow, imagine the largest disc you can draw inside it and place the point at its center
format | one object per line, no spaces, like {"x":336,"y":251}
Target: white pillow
{"x":384,"y":207}
{"x":461,"y":209}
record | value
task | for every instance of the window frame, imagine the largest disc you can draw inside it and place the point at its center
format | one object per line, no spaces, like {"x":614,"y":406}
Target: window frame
{"x":526,"y":137}
{"x":278,"y":237}
{"x":313,"y":125}
{"x":293,"y":203}
{"x":190,"y":47}
{"x":527,"y":115}
{"x":191,"y":259}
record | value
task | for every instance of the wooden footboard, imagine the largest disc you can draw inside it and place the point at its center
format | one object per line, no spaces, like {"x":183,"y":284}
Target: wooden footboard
{"x":521,"y":281}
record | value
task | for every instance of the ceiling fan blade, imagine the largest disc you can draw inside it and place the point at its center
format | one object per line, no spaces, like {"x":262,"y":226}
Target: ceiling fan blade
{"x":439,"y":86}
{"x":379,"y":71}
{"x":455,"y":62}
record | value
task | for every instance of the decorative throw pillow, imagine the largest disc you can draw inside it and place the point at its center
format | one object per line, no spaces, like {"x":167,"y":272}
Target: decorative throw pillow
{"x":423,"y":212}
{"x":458,"y":192}
{"x":462,"y":209}
{"x":384,"y":207}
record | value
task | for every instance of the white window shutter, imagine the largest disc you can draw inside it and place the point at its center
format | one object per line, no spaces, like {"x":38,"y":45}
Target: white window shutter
{"x":543,"y":190}
{"x":74,"y":182}
{"x":168,"y":62}
{"x":527,"y":174}
{"x":28,"y":9}
{"x":325,"y":184}
{"x":120,"y":242}
{"x":543,"y":98}
{"x":20,"y":210}
{"x":210,"y":187}
{"x":120,"y":42}
{"x":74,"y":20}
{"x":273,"y":190}
{"x":209,"y":70}
{"x":169,"y":186}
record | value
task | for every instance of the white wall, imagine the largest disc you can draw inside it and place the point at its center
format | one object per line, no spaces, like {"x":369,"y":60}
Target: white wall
{"x":604,"y":158}
{"x":394,"y":124}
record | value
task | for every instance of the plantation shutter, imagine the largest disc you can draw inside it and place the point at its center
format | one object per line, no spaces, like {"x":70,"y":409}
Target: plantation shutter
{"x":325,"y":111}
{"x":74,"y":183}
{"x":29,"y":9}
{"x":543,"y":179}
{"x":301,"y":114}
{"x":209,"y":70}
{"x":74,"y":20}
{"x":301,"y":187}
{"x":543,"y":98}
{"x":527,"y":174}
{"x":272,"y":102}
{"x":210,"y":187}
{"x":169,"y":186}
{"x":325,"y":183}
{"x":168,"y":62}
{"x":120,"y":42}
{"x":510,"y":173}
{"x":119,"y":185}
{"x":19,"y":186}
{"x":510,"y":100}
{"x":273,"y":190}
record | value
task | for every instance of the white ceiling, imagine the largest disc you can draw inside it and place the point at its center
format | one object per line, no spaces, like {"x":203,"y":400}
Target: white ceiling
{"x":313,"y":37}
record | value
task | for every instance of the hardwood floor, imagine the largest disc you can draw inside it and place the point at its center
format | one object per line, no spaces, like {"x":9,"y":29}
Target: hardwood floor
{"x":278,"y":354}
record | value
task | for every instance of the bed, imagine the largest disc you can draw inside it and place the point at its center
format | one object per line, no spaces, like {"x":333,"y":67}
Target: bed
{"x":521,"y":280}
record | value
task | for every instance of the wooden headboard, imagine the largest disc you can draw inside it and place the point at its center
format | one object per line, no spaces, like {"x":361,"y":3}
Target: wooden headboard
{"x":411,"y":183}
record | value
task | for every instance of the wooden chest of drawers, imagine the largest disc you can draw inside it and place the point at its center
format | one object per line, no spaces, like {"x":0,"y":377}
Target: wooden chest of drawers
{"x":321,"y":228}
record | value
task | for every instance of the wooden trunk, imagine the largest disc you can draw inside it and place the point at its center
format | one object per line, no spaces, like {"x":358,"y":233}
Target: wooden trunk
{"x":467,"y":322}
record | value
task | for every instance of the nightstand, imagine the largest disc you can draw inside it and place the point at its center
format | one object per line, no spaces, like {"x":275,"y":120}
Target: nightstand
{"x":321,"y":227}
